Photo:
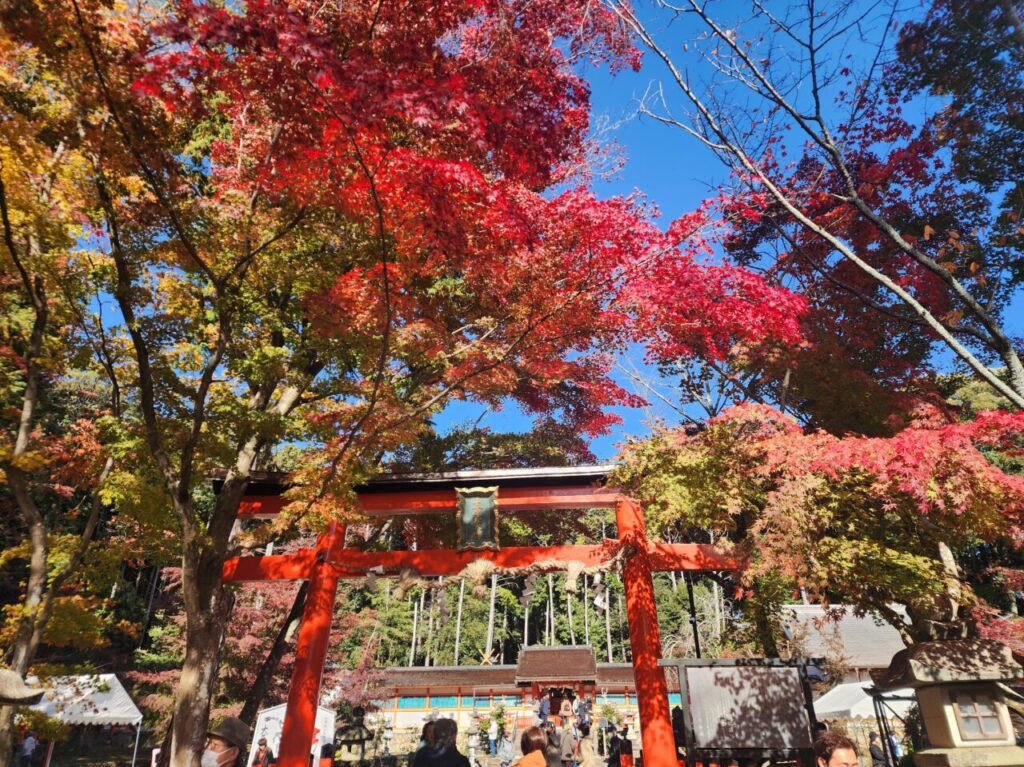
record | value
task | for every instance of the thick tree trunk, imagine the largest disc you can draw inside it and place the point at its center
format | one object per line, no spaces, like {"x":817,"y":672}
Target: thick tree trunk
{"x":206,"y":605}
{"x":942,"y":617}
{"x":254,"y":699}
{"x":29,"y":630}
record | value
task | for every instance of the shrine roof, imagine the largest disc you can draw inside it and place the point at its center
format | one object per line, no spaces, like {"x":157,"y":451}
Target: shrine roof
{"x":275,"y":482}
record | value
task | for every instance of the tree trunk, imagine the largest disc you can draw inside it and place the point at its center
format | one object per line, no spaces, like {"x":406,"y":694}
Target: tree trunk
{"x":551,"y":611}
{"x":504,"y":633}
{"x":206,"y":608}
{"x":586,"y":611}
{"x":568,"y":608}
{"x":490,"y":619}
{"x":716,"y":595}
{"x":458,"y":619}
{"x":415,"y":618}
{"x":622,"y":640}
{"x":427,"y":645}
{"x":255,"y":696}
{"x":608,"y":623}
{"x":526,"y":625}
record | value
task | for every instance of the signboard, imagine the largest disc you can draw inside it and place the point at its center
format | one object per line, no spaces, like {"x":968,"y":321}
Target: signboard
{"x":748,"y":707}
{"x":744,"y":708}
{"x":477,"y":517}
{"x":270,"y":721}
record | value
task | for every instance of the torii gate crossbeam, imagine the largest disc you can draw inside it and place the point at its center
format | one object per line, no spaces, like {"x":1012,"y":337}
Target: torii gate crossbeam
{"x":330,"y":561}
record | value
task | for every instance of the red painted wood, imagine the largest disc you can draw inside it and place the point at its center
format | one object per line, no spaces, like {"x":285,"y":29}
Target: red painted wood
{"x":349,"y":563}
{"x":645,"y":640}
{"x":310,"y":653}
{"x":279,"y":567}
{"x":438,"y":501}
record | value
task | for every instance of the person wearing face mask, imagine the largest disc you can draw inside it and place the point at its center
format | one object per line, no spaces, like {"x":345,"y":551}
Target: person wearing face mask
{"x":225,"y":743}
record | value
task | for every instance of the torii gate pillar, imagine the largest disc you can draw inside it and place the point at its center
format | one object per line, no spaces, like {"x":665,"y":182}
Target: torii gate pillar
{"x":311,"y":653}
{"x":644,"y":639}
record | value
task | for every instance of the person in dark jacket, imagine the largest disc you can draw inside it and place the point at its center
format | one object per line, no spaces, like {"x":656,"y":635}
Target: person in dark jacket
{"x":262,"y":756}
{"x":443,"y":752}
{"x":875,"y":749}
{"x":614,"y":748}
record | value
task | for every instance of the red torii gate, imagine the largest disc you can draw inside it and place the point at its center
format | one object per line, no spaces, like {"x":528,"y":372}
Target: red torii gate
{"x":519,"y":490}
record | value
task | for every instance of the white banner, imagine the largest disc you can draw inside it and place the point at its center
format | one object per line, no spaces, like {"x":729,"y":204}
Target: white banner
{"x":270,"y":721}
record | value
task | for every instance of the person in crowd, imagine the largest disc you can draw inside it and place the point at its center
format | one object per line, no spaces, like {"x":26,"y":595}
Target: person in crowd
{"x":506,"y":748}
{"x":585,"y":753}
{"x":569,"y":742}
{"x":626,"y":748}
{"x":262,"y":756}
{"x":875,"y":749}
{"x":443,"y":752}
{"x":553,"y":753}
{"x":586,"y":710}
{"x":225,"y":743}
{"x":833,"y":749}
{"x":545,"y":709}
{"x":492,"y":737}
{"x":895,"y":746}
{"x":534,"y":744}
{"x":565,"y":710}
{"x":614,"y":747}
{"x":28,"y":749}
{"x":427,"y":736}
{"x":678,"y":726}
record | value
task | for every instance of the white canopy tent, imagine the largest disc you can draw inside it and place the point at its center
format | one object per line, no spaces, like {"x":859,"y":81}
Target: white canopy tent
{"x":93,"y":699}
{"x":852,"y":700}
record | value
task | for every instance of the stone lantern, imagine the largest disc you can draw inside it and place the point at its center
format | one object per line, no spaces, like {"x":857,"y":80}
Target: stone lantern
{"x":962,"y":700}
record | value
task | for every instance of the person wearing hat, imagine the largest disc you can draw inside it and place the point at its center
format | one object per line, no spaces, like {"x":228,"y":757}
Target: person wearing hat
{"x":225,"y":743}
{"x":262,"y":756}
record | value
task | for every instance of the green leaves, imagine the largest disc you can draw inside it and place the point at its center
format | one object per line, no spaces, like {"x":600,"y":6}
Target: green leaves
{"x":857,"y":518}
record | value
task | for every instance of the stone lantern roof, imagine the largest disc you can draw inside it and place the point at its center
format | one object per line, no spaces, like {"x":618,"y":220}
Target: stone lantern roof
{"x":958,"y":660}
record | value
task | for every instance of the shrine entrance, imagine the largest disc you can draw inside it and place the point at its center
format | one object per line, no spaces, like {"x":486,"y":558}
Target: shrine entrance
{"x":475,"y":496}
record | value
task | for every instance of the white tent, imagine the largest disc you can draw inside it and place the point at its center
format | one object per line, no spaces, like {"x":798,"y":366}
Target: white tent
{"x":851,"y":700}
{"x":93,"y":699}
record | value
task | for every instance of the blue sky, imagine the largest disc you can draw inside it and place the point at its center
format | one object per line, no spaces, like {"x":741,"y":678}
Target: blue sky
{"x":675,"y":173}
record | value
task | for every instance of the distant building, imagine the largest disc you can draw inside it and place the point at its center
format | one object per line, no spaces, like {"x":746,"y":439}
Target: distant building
{"x":409,"y":696}
{"x":858,"y":644}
